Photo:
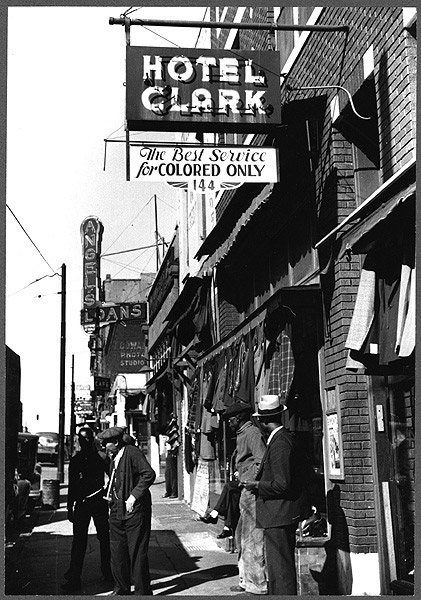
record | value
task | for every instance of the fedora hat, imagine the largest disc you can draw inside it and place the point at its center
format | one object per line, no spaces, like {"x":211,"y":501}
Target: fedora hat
{"x":270,"y":405}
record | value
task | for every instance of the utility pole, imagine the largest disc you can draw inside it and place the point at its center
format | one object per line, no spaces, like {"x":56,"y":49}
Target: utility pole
{"x":72,"y":410}
{"x":60,"y":461}
{"x":156,"y":235}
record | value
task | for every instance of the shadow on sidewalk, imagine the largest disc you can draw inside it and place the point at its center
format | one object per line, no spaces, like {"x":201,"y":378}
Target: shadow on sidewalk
{"x":181,"y":583}
{"x":37,"y":563}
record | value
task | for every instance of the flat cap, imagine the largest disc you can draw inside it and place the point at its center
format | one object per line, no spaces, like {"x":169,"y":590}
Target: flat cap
{"x":111,"y":433}
{"x":128,"y":439}
{"x":236,"y":409}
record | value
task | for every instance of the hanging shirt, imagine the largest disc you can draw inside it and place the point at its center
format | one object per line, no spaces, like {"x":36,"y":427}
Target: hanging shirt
{"x":282,"y":366}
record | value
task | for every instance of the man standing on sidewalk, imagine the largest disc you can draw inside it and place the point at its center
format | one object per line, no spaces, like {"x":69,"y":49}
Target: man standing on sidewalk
{"x":250,"y":541}
{"x":130,"y":514}
{"x":280,"y":489}
{"x":85,"y":501}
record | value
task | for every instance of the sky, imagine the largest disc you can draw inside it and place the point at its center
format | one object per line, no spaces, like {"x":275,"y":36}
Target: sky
{"x":65,"y":95}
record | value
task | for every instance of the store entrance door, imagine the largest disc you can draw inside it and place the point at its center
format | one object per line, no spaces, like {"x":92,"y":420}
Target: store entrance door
{"x":394,"y":407}
{"x":401,"y":397}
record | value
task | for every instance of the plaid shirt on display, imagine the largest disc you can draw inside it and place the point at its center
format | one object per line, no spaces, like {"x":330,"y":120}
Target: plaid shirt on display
{"x":282,"y":365}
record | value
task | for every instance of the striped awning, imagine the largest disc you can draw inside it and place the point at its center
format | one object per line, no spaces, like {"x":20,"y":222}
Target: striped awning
{"x":359,"y":238}
{"x":242,"y":222}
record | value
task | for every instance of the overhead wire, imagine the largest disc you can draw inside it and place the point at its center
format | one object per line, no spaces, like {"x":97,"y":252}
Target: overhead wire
{"x":132,"y":221}
{"x":31,"y":240}
{"x":114,"y":262}
{"x":32,"y":282}
{"x":200,"y":30}
{"x":161,"y":36}
{"x":130,"y":263}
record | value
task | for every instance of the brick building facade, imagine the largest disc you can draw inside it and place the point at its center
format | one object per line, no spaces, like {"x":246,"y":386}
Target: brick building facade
{"x":294,"y":256}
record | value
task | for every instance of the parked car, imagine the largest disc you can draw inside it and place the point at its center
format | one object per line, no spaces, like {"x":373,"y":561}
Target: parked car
{"x":48,"y":444}
{"x":27,"y":489}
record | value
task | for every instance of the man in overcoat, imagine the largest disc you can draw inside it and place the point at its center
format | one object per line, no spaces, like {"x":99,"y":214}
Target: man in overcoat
{"x":281,"y":503}
{"x":130,"y":514}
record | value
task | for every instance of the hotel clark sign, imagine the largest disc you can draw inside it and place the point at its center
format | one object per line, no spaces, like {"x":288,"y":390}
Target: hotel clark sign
{"x":201,"y":89}
{"x":91,"y":231}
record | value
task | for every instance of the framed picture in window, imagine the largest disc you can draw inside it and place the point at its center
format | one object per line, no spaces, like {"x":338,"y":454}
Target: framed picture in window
{"x":333,"y":435}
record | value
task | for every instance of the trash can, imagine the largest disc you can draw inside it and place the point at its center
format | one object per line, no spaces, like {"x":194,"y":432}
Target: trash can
{"x":51,"y":493}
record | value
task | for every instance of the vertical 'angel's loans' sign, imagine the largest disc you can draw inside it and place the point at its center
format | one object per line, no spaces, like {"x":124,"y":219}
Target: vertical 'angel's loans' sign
{"x":91,"y":231}
{"x":191,"y":89}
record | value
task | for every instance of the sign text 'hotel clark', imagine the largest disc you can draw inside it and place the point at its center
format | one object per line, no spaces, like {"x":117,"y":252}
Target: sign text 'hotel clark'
{"x":206,"y":166}
{"x":191,"y":89}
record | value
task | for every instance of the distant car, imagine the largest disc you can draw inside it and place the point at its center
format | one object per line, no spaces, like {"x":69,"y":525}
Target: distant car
{"x":27,"y":474}
{"x":48,"y":444}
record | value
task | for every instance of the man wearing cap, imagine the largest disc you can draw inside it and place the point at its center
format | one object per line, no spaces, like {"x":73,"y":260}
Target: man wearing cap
{"x":130,"y":513}
{"x":250,"y":449}
{"x":85,"y":501}
{"x":280,"y":505}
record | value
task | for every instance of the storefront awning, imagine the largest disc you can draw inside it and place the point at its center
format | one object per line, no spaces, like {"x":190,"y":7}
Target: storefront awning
{"x":360,"y":237}
{"x":184,"y":300}
{"x":151,"y":384}
{"x":225,"y":247}
{"x":129,"y":384}
{"x":393,"y":188}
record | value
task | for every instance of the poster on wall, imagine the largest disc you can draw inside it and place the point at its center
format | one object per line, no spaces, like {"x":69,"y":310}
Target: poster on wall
{"x":201,"y":489}
{"x":333,"y":435}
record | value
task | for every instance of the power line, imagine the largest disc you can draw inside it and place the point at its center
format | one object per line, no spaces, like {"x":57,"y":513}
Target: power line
{"x":29,"y":237}
{"x":161,"y":36}
{"x":131,"y":262}
{"x":200,"y":30}
{"x":32,"y":282}
{"x":131,"y":250}
{"x":132,"y":221}
{"x":119,"y":264}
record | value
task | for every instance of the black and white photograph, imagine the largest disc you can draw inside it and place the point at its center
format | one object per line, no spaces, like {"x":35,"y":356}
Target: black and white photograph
{"x":210,"y":290}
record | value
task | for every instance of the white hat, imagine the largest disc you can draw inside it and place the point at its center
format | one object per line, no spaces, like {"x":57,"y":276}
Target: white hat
{"x":270,"y":405}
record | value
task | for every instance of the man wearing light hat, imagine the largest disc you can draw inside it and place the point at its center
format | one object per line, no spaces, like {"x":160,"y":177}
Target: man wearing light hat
{"x":250,"y":449}
{"x":280,"y":504}
{"x":130,"y":513}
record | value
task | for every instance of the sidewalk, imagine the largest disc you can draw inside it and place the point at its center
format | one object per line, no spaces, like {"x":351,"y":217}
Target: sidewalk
{"x":185,"y":557}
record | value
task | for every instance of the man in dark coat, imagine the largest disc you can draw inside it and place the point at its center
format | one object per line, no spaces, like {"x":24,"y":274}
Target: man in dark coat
{"x":85,"y":501}
{"x":280,"y":503}
{"x":130,"y":514}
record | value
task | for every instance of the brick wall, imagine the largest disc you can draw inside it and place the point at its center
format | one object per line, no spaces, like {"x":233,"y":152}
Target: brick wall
{"x":329,"y":59}
{"x":336,"y":59}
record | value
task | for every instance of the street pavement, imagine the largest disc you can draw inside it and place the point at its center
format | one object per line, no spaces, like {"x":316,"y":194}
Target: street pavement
{"x":185,"y":557}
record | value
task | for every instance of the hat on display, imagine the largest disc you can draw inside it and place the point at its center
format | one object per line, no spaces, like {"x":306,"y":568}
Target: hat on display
{"x":236,"y":409}
{"x":270,"y":405}
{"x":111,"y":433}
